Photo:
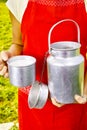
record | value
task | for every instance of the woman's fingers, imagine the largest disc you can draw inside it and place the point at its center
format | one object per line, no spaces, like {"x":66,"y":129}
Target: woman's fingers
{"x":81,"y":99}
{"x":1,"y":66}
{"x":6,"y":75}
{"x":56,"y":103}
{"x":3,"y":70}
{"x":4,"y":55}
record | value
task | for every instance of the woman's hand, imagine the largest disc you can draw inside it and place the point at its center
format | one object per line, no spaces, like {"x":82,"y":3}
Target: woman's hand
{"x":4,"y":56}
{"x":54,"y":102}
{"x":78,"y":99}
{"x":14,"y":50}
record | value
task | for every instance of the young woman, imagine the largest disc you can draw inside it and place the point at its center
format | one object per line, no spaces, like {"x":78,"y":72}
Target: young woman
{"x":31,"y":22}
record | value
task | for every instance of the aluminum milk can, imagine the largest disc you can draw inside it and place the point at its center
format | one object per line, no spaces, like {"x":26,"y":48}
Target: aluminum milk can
{"x":65,"y":67}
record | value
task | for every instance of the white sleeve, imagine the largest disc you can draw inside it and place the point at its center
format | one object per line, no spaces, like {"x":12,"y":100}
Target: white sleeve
{"x":85,"y":5}
{"x":17,"y":7}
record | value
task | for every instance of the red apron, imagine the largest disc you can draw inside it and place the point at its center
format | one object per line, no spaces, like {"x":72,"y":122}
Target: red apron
{"x":38,"y":18}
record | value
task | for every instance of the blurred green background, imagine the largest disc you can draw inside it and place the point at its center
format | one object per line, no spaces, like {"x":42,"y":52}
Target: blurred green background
{"x":8,"y":93}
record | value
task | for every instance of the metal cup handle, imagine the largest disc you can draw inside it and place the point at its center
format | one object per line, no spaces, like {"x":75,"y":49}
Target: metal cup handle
{"x":64,"y":20}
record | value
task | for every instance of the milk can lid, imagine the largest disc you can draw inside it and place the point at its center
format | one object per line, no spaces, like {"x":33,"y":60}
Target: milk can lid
{"x":65,"y":45}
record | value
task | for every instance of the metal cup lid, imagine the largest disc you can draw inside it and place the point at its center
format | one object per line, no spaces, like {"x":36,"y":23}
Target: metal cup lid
{"x":38,"y":95}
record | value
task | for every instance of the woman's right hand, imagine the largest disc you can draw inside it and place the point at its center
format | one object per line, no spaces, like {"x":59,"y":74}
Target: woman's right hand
{"x":15,"y":49}
{"x":4,"y":56}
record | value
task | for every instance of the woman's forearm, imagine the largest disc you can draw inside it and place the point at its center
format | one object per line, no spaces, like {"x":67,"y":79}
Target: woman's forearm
{"x":16,"y":49}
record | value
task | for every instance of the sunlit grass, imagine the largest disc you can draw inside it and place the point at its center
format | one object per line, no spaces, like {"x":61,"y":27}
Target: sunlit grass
{"x":5,"y":27}
{"x":8,"y":93}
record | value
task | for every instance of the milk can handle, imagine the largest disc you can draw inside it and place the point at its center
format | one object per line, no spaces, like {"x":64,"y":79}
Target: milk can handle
{"x":65,"y":20}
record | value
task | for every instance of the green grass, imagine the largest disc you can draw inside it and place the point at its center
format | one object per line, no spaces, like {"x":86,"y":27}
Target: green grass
{"x":8,"y":93}
{"x":5,"y":27}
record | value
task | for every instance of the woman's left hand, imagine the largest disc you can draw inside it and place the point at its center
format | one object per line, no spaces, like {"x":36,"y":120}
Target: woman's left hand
{"x":54,"y":102}
{"x":78,"y":99}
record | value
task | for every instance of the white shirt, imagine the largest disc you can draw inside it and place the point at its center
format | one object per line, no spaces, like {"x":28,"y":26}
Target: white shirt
{"x":17,"y":7}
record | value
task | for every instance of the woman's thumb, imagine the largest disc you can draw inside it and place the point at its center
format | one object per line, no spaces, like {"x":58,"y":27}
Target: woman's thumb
{"x":5,"y":55}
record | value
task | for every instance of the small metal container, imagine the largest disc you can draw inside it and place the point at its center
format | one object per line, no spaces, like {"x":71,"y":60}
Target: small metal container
{"x":38,"y":95}
{"x":21,"y":70}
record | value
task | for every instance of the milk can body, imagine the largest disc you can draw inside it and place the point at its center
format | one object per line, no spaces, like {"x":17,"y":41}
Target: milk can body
{"x":65,"y":72}
{"x":65,"y":67}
